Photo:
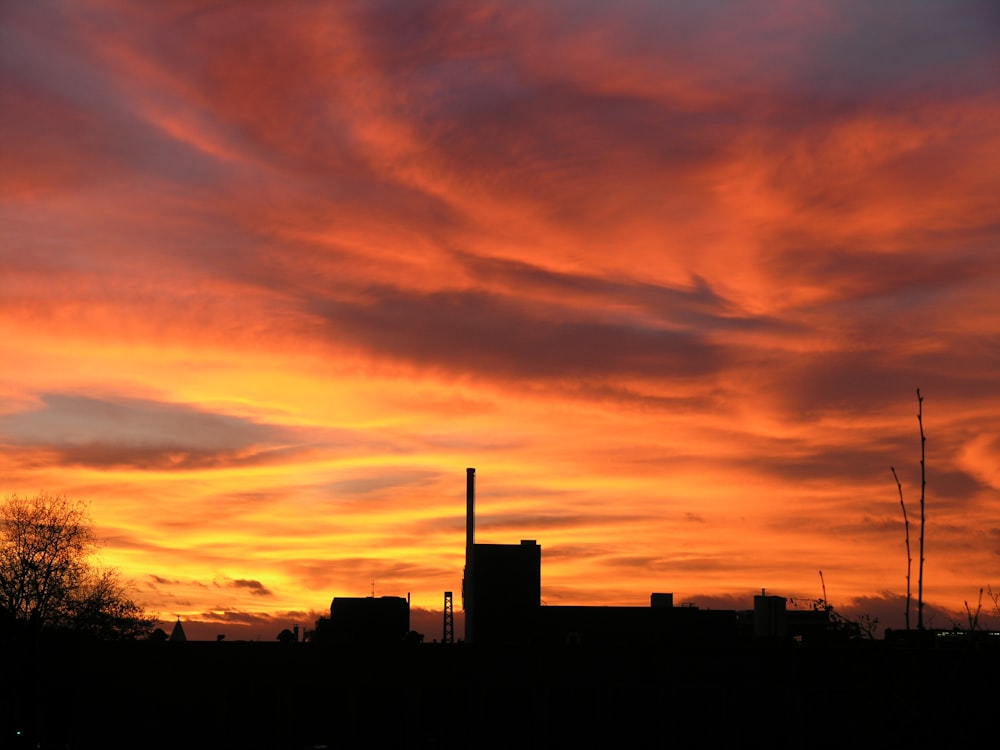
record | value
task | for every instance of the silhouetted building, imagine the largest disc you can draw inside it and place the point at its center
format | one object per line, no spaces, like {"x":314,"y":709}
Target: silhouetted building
{"x":365,"y":620}
{"x":502,"y":584}
{"x":770,"y":618}
{"x":819,"y":626}
{"x":661,"y":600}
{"x":659,"y":624}
{"x":503,"y":592}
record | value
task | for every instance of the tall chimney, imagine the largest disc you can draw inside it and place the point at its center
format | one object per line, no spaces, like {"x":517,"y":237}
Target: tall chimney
{"x":468,"y":594}
{"x":470,"y":512}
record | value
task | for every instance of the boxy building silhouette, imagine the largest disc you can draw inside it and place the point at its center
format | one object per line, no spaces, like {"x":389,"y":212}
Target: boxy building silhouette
{"x":502,"y":586}
{"x":365,"y":621}
{"x":502,"y":602}
{"x":503,"y":591}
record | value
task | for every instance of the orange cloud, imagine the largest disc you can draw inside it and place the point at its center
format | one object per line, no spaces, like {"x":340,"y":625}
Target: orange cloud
{"x":668,"y":275}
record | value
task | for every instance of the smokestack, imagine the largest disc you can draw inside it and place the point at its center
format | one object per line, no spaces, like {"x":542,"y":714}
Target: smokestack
{"x":470,"y":512}
{"x":470,"y":539}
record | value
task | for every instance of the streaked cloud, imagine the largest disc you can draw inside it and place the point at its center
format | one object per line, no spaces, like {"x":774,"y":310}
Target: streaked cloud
{"x":669,"y":274}
{"x":144,"y":434}
{"x":256,"y":587}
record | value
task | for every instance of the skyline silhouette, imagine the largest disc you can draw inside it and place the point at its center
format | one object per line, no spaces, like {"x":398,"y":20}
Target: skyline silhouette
{"x":525,"y":675}
{"x":538,"y":677}
{"x":502,"y":604}
{"x":668,"y":273}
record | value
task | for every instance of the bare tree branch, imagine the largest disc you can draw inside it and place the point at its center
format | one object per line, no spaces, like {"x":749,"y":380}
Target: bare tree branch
{"x":909,"y":557}
{"x":923,"y":516}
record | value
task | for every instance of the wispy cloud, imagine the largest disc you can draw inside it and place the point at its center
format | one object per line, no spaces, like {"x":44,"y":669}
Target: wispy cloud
{"x":668,"y":273}
{"x":144,"y":434}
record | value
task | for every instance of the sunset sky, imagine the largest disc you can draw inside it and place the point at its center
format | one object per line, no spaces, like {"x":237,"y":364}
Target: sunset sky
{"x":667,"y":274}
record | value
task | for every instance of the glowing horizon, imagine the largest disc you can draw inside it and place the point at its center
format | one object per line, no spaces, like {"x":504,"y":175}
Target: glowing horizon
{"x":667,"y":276}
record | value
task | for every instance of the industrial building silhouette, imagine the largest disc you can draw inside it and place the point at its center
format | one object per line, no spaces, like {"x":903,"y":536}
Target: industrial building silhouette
{"x":502,"y":601}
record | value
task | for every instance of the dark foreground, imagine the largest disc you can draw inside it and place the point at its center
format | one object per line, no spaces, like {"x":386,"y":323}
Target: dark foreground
{"x":303,"y":695}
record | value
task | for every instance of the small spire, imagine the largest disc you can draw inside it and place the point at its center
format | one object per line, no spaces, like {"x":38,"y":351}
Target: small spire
{"x":178,"y":632}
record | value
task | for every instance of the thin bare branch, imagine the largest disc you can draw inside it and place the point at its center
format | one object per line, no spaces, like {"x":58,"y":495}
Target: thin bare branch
{"x":909,"y":557}
{"x":923,"y":515}
{"x":974,"y":616}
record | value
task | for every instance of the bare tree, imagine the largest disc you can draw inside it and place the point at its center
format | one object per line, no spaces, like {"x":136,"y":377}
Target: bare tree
{"x":923,"y":522}
{"x":867,"y":625}
{"x":974,"y":616}
{"x":48,"y":580}
{"x":923,"y":516}
{"x":909,"y":556}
